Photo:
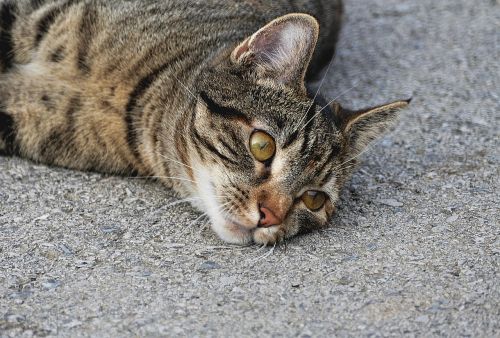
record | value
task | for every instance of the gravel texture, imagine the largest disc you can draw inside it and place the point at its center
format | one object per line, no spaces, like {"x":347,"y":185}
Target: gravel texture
{"x":414,"y":249}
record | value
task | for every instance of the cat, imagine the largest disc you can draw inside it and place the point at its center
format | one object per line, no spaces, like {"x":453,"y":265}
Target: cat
{"x":210,"y":97}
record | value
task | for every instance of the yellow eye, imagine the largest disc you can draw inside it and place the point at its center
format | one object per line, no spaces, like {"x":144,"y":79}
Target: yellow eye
{"x":314,"y":200}
{"x":262,"y":146}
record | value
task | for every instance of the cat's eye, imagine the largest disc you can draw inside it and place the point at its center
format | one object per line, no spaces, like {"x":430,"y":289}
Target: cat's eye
{"x":262,"y":146}
{"x":314,"y":200}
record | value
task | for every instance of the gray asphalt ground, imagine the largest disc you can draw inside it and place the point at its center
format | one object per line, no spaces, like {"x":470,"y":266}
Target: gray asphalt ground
{"x":414,"y":249}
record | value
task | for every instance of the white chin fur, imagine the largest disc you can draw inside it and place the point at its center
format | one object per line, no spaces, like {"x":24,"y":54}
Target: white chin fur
{"x":228,"y":232}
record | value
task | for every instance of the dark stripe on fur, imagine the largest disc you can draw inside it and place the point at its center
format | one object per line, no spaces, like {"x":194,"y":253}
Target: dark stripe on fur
{"x":181,"y":146}
{"x":8,"y":134}
{"x":197,"y":146}
{"x":210,"y":147}
{"x":291,"y":139}
{"x":7,"y":19}
{"x":57,"y":55}
{"x":61,"y":140}
{"x":48,"y":20}
{"x":334,"y":151}
{"x":86,"y":32}
{"x":228,"y":148}
{"x":137,"y":93}
{"x":132,"y":136}
{"x":35,"y":4}
{"x":226,"y":112}
{"x":307,"y":130}
{"x":143,"y":85}
{"x":45,"y":23}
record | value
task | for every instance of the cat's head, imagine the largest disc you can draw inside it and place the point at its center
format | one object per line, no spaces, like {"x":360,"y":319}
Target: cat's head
{"x":269,"y":161}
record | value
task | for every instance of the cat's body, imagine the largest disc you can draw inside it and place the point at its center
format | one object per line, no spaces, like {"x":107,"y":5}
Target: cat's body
{"x":124,"y":86}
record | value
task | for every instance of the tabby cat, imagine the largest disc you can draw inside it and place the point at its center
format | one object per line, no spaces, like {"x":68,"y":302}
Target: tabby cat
{"x":207,"y":96}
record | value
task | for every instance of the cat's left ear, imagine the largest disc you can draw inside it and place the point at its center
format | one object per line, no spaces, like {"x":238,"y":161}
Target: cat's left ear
{"x":363,"y":126}
{"x":281,"y":50}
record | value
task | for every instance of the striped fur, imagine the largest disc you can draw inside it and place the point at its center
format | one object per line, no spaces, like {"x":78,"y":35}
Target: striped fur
{"x":174,"y":89}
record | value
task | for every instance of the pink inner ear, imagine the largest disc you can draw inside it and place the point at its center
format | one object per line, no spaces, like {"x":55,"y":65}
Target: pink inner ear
{"x":268,"y":41}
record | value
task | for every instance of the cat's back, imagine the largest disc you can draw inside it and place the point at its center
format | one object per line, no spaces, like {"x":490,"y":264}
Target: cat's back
{"x":106,"y":36}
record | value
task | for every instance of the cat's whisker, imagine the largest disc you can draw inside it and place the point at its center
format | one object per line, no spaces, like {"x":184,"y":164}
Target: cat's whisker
{"x":317,"y":92}
{"x":329,"y":103}
{"x":346,"y":167}
{"x":178,"y":162}
{"x":186,"y":200}
{"x":222,"y":166}
{"x":264,"y":256}
{"x":192,"y":224}
{"x":222,"y":208}
{"x":203,"y":227}
{"x":174,"y":178}
{"x":185,"y":87}
{"x":354,"y":157}
{"x":260,"y":248}
{"x":227,"y":212}
{"x":159,"y":177}
{"x":197,"y":219}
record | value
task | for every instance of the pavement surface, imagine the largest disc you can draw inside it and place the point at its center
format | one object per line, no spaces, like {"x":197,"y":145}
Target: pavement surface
{"x":414,"y":249}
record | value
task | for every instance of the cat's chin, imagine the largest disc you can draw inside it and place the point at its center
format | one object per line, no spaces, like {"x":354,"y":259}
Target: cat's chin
{"x":233,"y":232}
{"x":268,"y":236}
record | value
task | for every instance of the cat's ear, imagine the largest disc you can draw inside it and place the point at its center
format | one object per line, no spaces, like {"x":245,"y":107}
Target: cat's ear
{"x":281,"y":50}
{"x":363,"y":126}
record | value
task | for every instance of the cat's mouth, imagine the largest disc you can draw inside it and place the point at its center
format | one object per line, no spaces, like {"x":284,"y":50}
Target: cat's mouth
{"x":245,"y":233}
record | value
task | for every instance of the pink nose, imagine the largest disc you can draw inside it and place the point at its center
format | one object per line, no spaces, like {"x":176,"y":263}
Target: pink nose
{"x":268,"y":218}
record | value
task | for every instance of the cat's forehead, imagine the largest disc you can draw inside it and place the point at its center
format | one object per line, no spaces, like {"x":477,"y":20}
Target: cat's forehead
{"x":274,"y":104}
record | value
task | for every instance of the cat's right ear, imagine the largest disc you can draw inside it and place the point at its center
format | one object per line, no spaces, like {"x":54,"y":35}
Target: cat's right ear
{"x":281,"y":50}
{"x":362,"y":127}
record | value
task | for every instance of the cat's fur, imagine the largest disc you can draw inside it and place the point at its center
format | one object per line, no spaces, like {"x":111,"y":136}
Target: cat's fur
{"x":174,"y":89}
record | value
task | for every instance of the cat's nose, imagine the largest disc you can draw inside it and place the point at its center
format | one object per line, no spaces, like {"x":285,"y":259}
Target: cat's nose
{"x":268,"y":218}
